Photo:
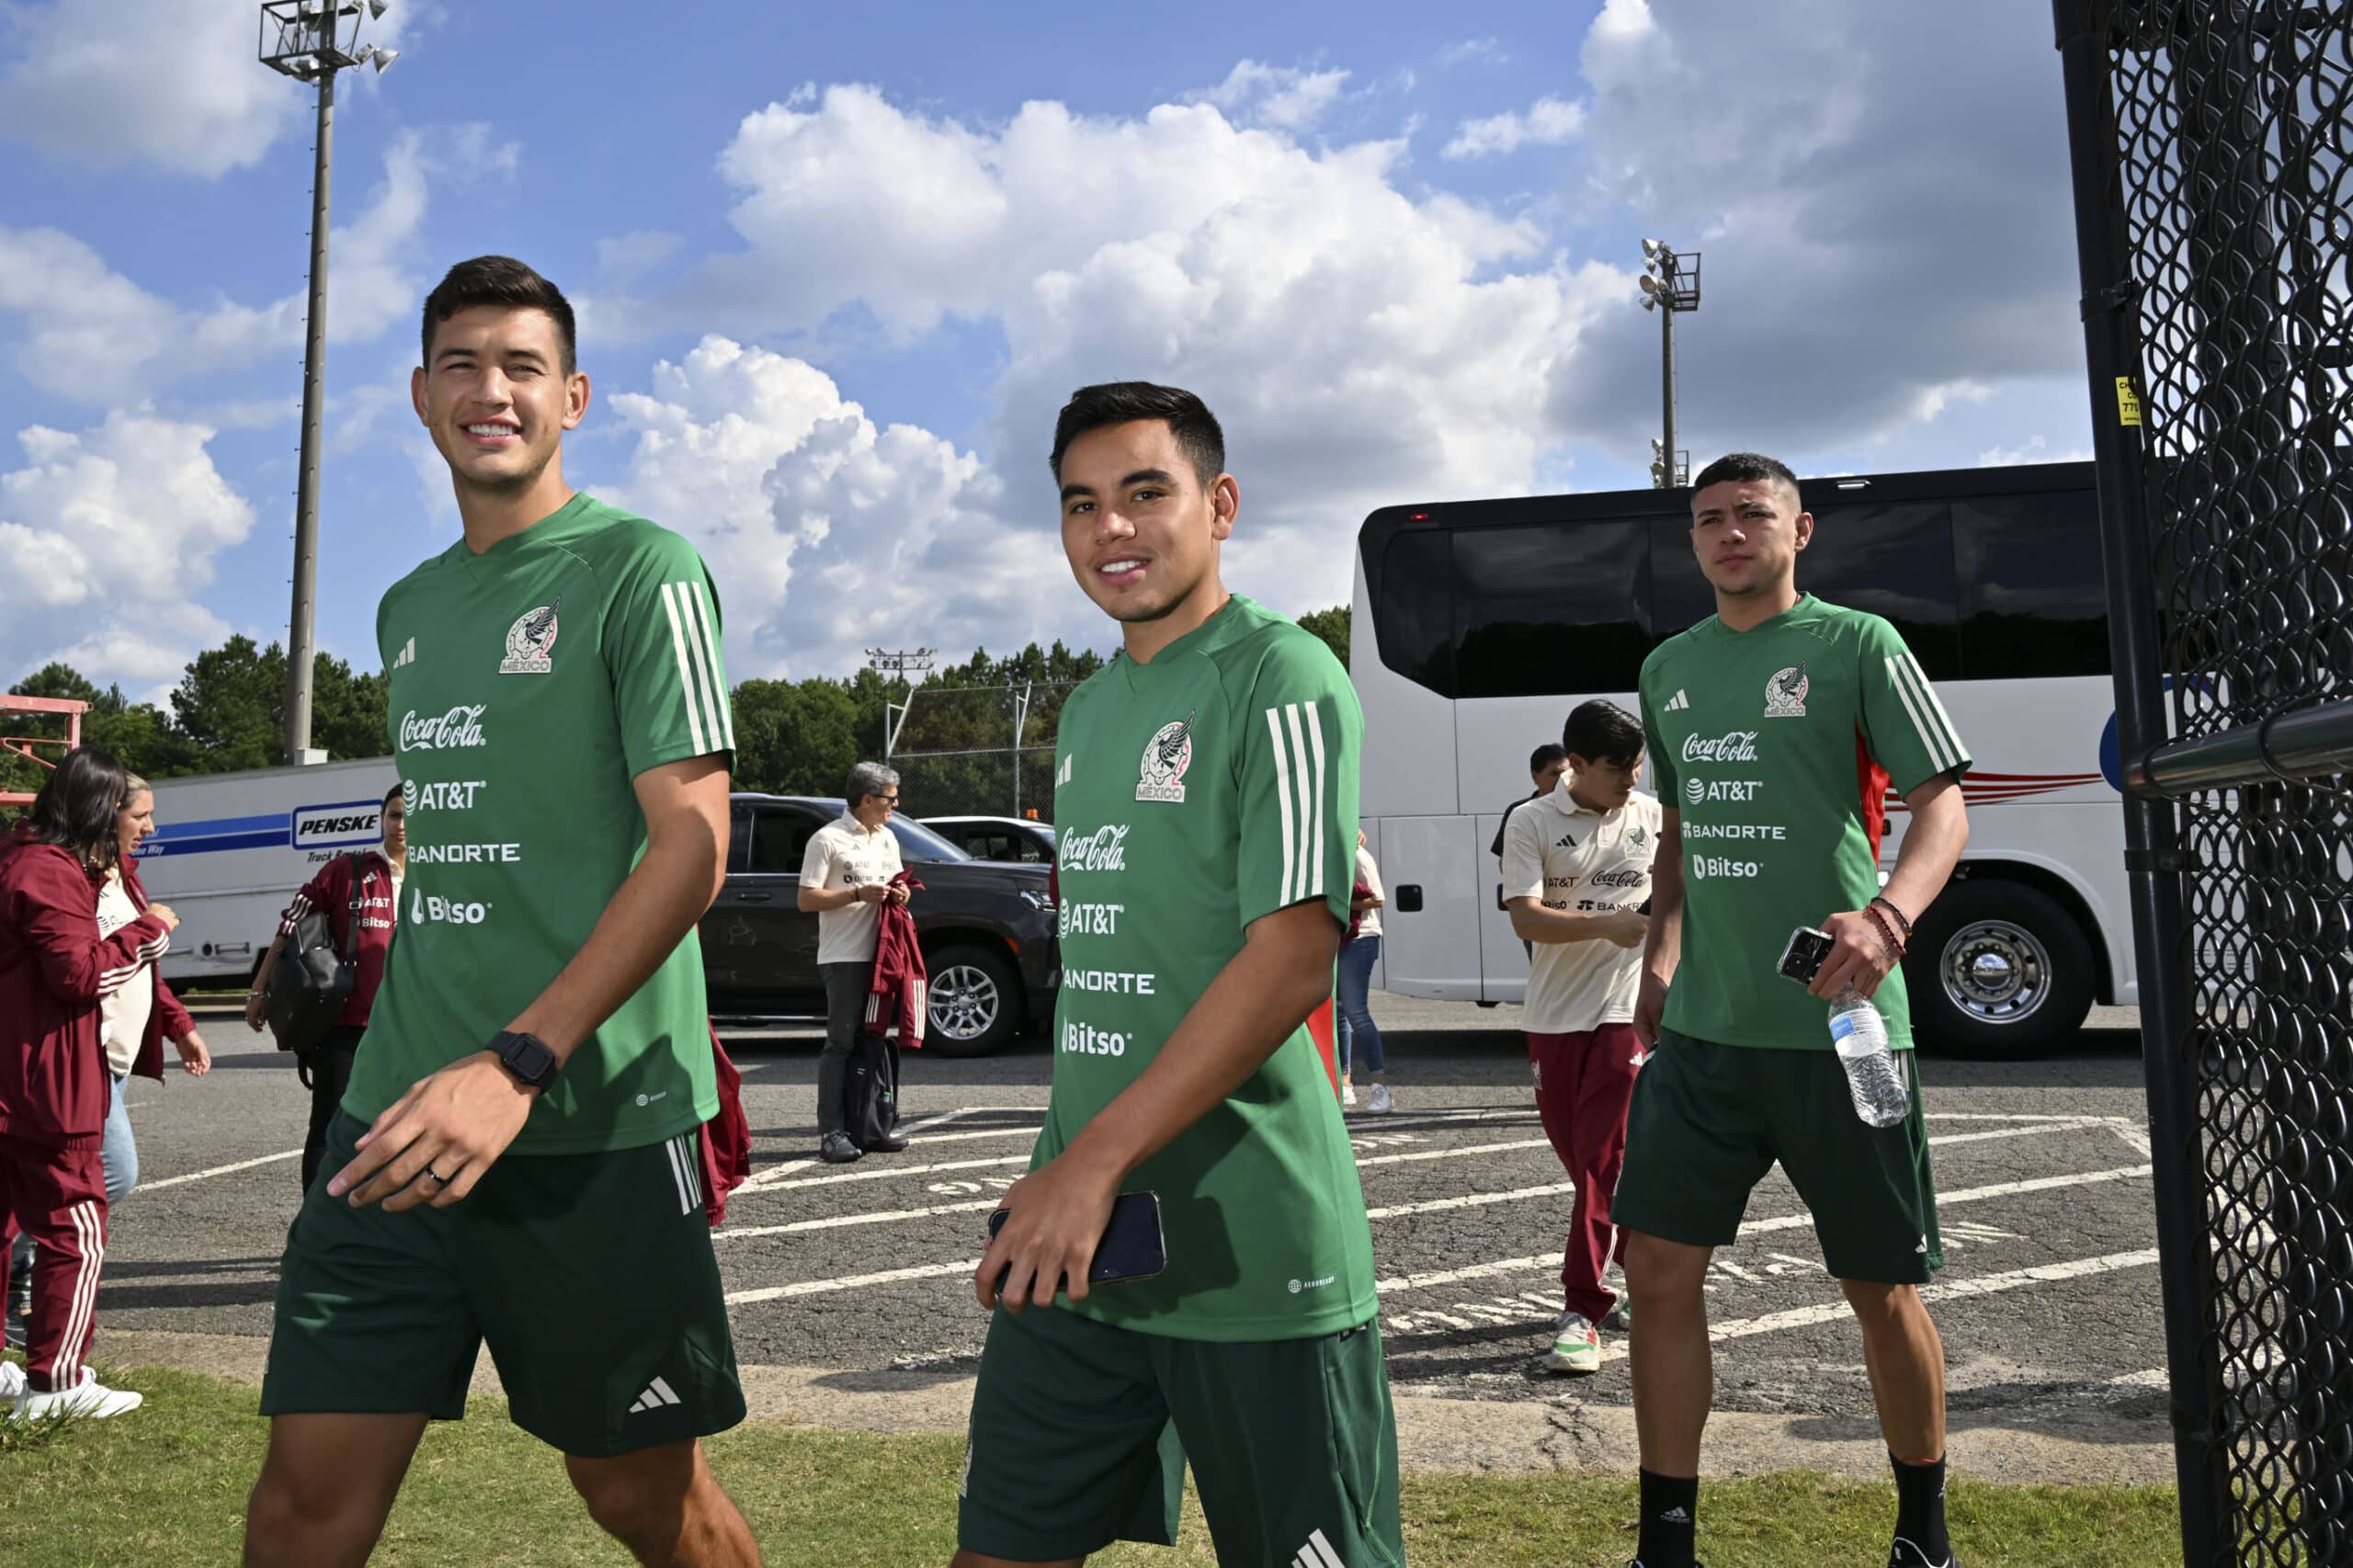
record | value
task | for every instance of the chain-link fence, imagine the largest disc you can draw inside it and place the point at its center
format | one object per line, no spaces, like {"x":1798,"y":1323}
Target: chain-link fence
{"x":979,"y":751}
{"x":2214,"y":207}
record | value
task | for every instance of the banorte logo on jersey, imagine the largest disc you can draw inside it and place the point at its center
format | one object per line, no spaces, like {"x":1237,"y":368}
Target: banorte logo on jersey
{"x":1165,"y":757}
{"x":457,"y":729}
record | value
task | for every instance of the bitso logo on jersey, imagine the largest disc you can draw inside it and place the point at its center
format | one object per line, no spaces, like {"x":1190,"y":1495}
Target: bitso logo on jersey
{"x":530,"y":641}
{"x":1785,"y":694}
{"x":1165,"y":757}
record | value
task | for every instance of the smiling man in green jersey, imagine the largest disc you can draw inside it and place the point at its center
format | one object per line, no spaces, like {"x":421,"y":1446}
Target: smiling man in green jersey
{"x":1776,"y":727}
{"x":515,"y":1161}
{"x":1206,"y":804}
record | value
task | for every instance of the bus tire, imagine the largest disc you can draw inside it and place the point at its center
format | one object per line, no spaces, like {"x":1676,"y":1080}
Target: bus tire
{"x":1998,"y":969}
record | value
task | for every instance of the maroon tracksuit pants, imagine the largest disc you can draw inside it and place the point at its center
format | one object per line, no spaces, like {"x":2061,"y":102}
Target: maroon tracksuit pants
{"x":1584,"y":1083}
{"x":59,"y":1197}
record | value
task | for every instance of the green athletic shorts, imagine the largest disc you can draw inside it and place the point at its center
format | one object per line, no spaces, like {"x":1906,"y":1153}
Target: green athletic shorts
{"x":1080,"y":1433}
{"x":591,"y":1276}
{"x":1709,"y":1120}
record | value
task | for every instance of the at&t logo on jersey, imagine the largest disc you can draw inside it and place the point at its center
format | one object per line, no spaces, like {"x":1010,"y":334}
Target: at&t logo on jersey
{"x":1785,"y":693}
{"x":460,"y":727}
{"x":1165,"y":757}
{"x":530,"y":642}
{"x":425,"y":910}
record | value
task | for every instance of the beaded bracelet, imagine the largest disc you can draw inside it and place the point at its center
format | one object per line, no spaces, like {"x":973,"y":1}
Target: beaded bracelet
{"x":1886,"y":932}
{"x":1902,"y":921}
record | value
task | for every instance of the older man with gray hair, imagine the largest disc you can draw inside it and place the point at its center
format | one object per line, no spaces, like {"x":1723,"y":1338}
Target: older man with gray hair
{"x":844,"y":879}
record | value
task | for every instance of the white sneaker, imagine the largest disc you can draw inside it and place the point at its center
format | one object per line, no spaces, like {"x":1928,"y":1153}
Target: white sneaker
{"x":1347,"y":1093}
{"x":1379,"y":1102}
{"x":89,"y":1400}
{"x":1576,"y":1346}
{"x":12,"y":1380}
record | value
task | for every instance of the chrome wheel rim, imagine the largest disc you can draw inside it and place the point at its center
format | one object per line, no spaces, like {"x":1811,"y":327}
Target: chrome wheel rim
{"x":965,"y":1002}
{"x":1996,"y":971}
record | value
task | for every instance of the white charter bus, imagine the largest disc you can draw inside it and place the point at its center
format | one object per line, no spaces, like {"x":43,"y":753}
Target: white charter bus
{"x":1478,"y":625}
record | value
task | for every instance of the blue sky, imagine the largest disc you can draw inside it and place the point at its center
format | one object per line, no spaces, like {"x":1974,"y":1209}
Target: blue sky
{"x":837,"y":266}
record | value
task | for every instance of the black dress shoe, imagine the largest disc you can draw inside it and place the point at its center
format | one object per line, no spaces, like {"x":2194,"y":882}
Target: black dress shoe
{"x":838,"y":1150}
{"x":889,"y":1143}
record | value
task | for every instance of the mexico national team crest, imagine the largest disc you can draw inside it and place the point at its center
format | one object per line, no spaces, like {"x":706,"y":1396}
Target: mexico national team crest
{"x":530,"y":642}
{"x":1785,"y":694}
{"x":1165,"y":757}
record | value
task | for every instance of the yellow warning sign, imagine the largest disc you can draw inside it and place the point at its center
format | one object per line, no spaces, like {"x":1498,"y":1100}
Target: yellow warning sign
{"x":2128,"y":401}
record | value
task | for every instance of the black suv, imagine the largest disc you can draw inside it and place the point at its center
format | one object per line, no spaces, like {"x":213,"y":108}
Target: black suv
{"x":987,"y":929}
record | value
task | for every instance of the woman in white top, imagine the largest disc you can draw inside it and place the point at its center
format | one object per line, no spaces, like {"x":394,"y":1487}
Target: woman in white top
{"x":1356,"y":1034}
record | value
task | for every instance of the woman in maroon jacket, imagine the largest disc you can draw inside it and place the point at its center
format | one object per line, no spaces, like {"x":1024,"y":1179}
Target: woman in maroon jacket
{"x":380,"y":873}
{"x":136,"y":1017}
{"x":56,"y":967}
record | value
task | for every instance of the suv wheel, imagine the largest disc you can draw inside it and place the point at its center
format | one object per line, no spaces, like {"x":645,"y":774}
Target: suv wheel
{"x":975,"y":1000}
{"x":1998,"y":969}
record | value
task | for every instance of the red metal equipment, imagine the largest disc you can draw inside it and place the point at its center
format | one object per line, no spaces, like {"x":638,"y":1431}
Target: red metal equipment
{"x":12,"y":706}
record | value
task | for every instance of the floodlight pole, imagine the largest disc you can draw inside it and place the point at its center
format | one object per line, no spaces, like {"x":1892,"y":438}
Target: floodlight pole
{"x":1667,"y":378}
{"x":300,"y":634}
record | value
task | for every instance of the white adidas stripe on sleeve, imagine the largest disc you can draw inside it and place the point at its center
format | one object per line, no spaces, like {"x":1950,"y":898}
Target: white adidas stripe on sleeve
{"x":723,"y":725}
{"x":1929,"y":720}
{"x":1301,"y":767}
{"x":1282,"y":798}
{"x":686,"y":670}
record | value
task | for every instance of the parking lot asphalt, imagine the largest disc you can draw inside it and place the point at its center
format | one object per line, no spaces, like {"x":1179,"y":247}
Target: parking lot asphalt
{"x":851,"y":1293}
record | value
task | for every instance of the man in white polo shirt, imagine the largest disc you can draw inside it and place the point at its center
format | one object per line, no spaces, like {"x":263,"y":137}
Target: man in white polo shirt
{"x":1576,"y":877}
{"x":844,"y":880}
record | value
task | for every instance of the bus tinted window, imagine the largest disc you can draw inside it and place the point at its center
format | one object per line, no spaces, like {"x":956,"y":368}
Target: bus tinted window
{"x":1895,"y":561}
{"x":1413,"y":609}
{"x":1680,"y":597}
{"x":2033,"y":599}
{"x":1546,"y":608}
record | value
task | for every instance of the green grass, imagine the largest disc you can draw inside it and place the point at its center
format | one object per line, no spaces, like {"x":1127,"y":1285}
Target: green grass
{"x":167,"y":1484}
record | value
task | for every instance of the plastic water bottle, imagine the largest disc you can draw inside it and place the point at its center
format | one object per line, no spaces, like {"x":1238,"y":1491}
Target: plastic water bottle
{"x":1860,"y":1035}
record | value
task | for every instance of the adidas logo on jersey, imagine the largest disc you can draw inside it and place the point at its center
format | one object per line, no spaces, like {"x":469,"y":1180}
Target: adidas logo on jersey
{"x":407,"y":656}
{"x":1062,"y":774}
{"x":1568,"y":841}
{"x":658,"y":1395}
{"x":1676,"y":704}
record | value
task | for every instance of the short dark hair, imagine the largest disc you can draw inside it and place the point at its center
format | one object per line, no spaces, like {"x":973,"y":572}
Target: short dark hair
{"x":392,"y":794}
{"x":1544,"y":756}
{"x":499,"y":281}
{"x":1600,"y":731}
{"x":1119,"y":403}
{"x":1744,"y":468}
{"x":75,"y":809}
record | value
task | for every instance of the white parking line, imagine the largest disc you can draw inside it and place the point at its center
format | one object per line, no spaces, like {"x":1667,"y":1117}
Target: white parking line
{"x":1471,"y":1201}
{"x":837,"y":1221}
{"x":220,"y":1170}
{"x":855,"y":1282}
{"x":1549,"y":1260}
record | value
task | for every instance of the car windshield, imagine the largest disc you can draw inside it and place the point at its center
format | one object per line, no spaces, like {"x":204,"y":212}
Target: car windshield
{"x":917,"y":842}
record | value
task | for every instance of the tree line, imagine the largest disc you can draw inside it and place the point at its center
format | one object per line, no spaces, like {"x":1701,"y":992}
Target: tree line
{"x":228,"y":712}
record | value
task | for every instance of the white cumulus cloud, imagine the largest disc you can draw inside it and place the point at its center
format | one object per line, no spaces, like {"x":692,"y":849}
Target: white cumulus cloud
{"x":1280,"y":96}
{"x":1549,"y":122}
{"x":106,"y":538}
{"x":174,"y":84}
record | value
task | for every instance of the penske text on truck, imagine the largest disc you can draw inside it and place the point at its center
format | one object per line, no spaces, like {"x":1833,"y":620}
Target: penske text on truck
{"x":229,"y":848}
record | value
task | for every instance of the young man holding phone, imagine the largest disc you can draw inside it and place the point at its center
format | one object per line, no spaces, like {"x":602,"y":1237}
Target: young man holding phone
{"x":1776,"y":728}
{"x":1206,"y":803}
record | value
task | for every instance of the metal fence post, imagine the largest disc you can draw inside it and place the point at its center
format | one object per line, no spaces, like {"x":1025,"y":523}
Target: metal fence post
{"x":2112,"y":352}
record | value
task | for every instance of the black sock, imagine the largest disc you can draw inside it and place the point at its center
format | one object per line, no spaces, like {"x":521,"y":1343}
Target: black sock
{"x":1669,"y":1503}
{"x":1920,"y":1508}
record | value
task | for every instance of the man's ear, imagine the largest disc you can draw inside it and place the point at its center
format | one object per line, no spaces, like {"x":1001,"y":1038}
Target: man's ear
{"x":1226,"y":505}
{"x":417,"y":394}
{"x":1802,"y":529}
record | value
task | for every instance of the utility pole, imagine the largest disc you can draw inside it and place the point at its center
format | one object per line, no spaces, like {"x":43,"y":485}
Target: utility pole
{"x":887,"y":662}
{"x":307,"y":39}
{"x":1670,"y":283}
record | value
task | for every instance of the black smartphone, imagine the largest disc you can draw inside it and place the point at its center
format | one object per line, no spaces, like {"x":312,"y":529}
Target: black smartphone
{"x":1131,"y":1247}
{"x":1802,"y":959}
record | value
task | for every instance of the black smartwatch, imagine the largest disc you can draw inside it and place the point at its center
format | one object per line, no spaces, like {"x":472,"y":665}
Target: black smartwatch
{"x":527,"y":1056}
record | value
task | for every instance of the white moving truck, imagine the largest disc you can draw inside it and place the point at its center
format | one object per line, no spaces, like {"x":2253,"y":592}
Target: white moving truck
{"x":229,"y":847}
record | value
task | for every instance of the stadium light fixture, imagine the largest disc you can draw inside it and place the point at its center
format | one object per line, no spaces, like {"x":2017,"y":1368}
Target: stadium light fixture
{"x":310,"y":40}
{"x":1669,"y":283}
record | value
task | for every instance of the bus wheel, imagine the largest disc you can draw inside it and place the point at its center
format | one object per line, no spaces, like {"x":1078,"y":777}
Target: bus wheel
{"x":1997,"y":970}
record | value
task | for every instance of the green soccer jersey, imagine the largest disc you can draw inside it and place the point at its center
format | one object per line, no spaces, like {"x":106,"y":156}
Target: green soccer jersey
{"x":1193,"y":795}
{"x":531,"y":685}
{"x":1777,"y":744}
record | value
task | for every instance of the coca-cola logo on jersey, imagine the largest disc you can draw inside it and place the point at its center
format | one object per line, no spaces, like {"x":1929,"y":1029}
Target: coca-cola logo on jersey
{"x":1105,"y":849}
{"x":1625,"y":877}
{"x":453,"y":730}
{"x":1739,"y":745}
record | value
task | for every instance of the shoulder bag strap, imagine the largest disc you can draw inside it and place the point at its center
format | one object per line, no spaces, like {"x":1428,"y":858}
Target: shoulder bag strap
{"x":359,"y":902}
